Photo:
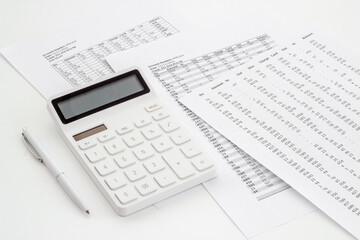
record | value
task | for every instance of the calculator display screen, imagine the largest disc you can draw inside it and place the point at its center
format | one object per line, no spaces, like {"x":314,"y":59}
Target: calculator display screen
{"x":100,"y":96}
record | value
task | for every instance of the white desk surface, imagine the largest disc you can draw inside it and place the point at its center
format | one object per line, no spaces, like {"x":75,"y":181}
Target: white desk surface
{"x":33,"y":205}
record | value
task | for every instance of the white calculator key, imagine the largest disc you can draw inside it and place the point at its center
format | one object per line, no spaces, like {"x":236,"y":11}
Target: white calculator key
{"x":145,"y":187}
{"x":151,"y":132}
{"x":154,"y":165}
{"x":124,"y":159}
{"x":134,"y":173}
{"x":165,"y":179}
{"x":142,"y":122}
{"x":143,"y":152}
{"x":201,"y":163}
{"x":105,"y":167}
{"x":126,"y":195}
{"x":95,"y":154}
{"x":158,"y":115}
{"x":115,"y":180}
{"x":179,"y":137}
{"x":190,"y":150}
{"x":169,"y":125}
{"x":106,"y":136}
{"x":178,"y":164}
{"x":124,"y":129}
{"x":87,"y":144}
{"x":152,"y":107}
{"x":133,"y":139}
{"x":161,"y":144}
{"x":114,"y":147}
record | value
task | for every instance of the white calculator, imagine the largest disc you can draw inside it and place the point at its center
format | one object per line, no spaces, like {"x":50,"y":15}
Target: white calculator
{"x":131,"y":146}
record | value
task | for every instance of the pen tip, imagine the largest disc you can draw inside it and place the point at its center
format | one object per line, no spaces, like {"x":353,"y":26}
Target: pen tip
{"x":87,"y":211}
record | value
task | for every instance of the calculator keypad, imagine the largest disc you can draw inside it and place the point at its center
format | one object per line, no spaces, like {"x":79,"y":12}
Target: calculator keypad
{"x":138,"y":159}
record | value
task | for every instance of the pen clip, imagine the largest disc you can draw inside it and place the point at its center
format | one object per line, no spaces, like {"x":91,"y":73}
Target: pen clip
{"x":31,"y":149}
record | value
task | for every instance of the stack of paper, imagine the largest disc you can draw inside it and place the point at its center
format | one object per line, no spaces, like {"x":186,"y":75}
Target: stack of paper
{"x":296,"y":110}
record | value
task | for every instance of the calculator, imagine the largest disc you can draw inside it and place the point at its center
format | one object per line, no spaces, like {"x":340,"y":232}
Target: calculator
{"x":134,"y":150}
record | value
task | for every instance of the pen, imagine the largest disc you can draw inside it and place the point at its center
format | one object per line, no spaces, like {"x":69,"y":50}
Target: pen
{"x":32,"y":143}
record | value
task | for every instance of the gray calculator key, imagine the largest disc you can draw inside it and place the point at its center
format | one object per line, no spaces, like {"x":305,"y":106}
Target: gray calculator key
{"x":114,"y":147}
{"x":86,"y":144}
{"x":190,"y":150}
{"x":201,"y":163}
{"x":124,"y":159}
{"x":169,"y":125}
{"x":145,"y":187}
{"x":152,"y":107}
{"x":115,"y":180}
{"x":135,"y":173}
{"x":165,"y":178}
{"x":124,"y":129}
{"x":95,"y":154}
{"x":126,"y":195}
{"x":105,"y":136}
{"x":105,"y":167}
{"x":179,"y":165}
{"x":133,"y":139}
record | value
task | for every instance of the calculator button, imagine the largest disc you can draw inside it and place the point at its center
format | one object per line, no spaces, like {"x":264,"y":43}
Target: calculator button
{"x":126,"y":195}
{"x":201,"y":163}
{"x":95,"y":155}
{"x":124,"y":129}
{"x":169,"y":126}
{"x":105,"y":167}
{"x":142,"y":122}
{"x":190,"y":150}
{"x":134,"y":173}
{"x":179,"y":137}
{"x":179,"y":165}
{"x":158,"y":115}
{"x":153,"y":107}
{"x":115,"y":181}
{"x":133,"y":140}
{"x":124,"y":159}
{"x":165,"y":179}
{"x":104,"y":137}
{"x":161,"y":144}
{"x":145,"y":187}
{"x":114,"y":147}
{"x":151,"y":132}
{"x":143,"y":152}
{"x":154,"y":165}
{"x":87,"y":144}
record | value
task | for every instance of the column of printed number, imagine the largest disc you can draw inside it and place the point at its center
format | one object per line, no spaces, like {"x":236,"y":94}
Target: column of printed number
{"x":68,"y":73}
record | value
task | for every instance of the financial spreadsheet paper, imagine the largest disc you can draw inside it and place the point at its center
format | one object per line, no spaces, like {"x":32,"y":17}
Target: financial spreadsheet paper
{"x":71,"y":55}
{"x":255,"y":198}
{"x":296,"y":110}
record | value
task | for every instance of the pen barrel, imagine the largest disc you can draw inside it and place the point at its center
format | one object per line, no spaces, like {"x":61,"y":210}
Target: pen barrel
{"x":41,"y":152}
{"x":70,"y":190}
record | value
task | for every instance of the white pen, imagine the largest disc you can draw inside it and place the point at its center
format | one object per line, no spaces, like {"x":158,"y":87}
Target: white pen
{"x":40,"y":154}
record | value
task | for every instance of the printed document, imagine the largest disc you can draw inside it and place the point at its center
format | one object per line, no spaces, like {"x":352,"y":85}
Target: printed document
{"x":71,"y":55}
{"x":254,"y":198}
{"x":296,"y":110}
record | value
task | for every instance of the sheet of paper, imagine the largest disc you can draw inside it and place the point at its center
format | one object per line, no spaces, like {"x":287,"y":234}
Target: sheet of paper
{"x":71,"y":55}
{"x":296,"y":110}
{"x":254,"y":198}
